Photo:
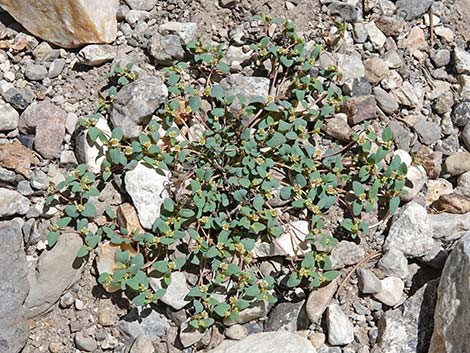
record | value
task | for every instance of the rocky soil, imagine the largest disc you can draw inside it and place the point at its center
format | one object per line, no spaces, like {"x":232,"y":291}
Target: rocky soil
{"x":405,"y":288}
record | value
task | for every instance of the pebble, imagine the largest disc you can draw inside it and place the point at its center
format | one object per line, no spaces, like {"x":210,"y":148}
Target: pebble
{"x":165,"y":49}
{"x":35,"y":72}
{"x":458,"y":163}
{"x":340,"y":329}
{"x":8,"y":117}
{"x":318,"y":300}
{"x":385,"y":100}
{"x":19,"y":98}
{"x":391,"y":292}
{"x":360,"y":108}
{"x":85,"y":343}
{"x":394,"y":263}
{"x":368,"y":282}
{"x":375,"y":35}
{"x":376,"y":69}
{"x":348,"y":12}
{"x":96,"y":54}
{"x":67,"y":300}
{"x":142,"y":344}
{"x":461,"y":114}
{"x":345,"y":253}
{"x":12,"y":203}
{"x":236,"y":332}
{"x":461,"y":61}
{"x":441,"y":57}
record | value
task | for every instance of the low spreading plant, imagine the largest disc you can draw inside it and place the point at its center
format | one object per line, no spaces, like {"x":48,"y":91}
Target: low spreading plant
{"x":241,"y":170}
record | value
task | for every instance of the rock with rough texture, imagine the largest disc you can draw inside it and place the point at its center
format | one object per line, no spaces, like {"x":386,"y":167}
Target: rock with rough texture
{"x":288,"y":316}
{"x":376,"y":36}
{"x":249,"y":87}
{"x":96,"y":55}
{"x":253,"y":312}
{"x":12,"y":203}
{"x":360,"y":108}
{"x":13,"y":287}
{"x":166,"y":49}
{"x":462,"y":61}
{"x":452,"y":203}
{"x":411,"y":232}
{"x":85,"y":343}
{"x":394,"y":263}
{"x":290,"y":243}
{"x":368,"y":282}
{"x":452,"y":312}
{"x":415,"y":180}
{"x":17,"y":157}
{"x":236,"y":332}
{"x":142,"y":344}
{"x":176,"y":292}
{"x":461,"y":114}
{"x":146,"y":322}
{"x":348,"y":12}
{"x":340,"y":329}
{"x":47,"y":121}
{"x":187,"y":31}
{"x":408,"y":328}
{"x":147,"y":188}
{"x":93,"y":21}
{"x":318,"y":300}
{"x":135,"y":103}
{"x":458,"y":163}
{"x":385,"y":100}
{"x":267,"y":342}
{"x":346,"y":253}
{"x":376,"y":69}
{"x":8,"y":117}
{"x":338,"y":127}
{"x":410,"y":9}
{"x":141,"y":5}
{"x":391,"y":292}
{"x":55,"y":271}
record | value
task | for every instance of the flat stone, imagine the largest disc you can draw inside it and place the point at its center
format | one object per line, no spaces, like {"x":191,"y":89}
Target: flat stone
{"x":348,"y":12}
{"x":97,"y":20}
{"x":430,"y":160}
{"x":55,"y":271}
{"x":268,"y":342}
{"x":47,"y":121}
{"x":135,"y":104}
{"x":346,"y":253}
{"x":408,"y":328}
{"x":368,"y":282}
{"x":340,"y":329}
{"x":376,"y":36}
{"x":408,"y":95}
{"x":376,"y":69}
{"x":16,"y":157}
{"x":451,"y":319}
{"x":288,"y":316}
{"x":338,"y":127}
{"x":187,"y":31}
{"x":391,"y":292}
{"x":14,"y":288}
{"x":85,"y":343}
{"x":19,"y":98}
{"x":35,"y":72}
{"x":452,"y":203}
{"x":236,"y":332}
{"x":255,"y":311}
{"x":385,"y":100}
{"x":249,"y":87}
{"x":141,"y":5}
{"x":96,"y":55}
{"x":318,"y":300}
{"x":394,"y":263}
{"x":411,"y":232}
{"x":428,"y":131}
{"x":176,"y":292}
{"x":414,"y":42}
{"x":147,"y":188}
{"x":146,"y":322}
{"x":359,"y":109}
{"x":458,"y":163}
{"x":12,"y":203}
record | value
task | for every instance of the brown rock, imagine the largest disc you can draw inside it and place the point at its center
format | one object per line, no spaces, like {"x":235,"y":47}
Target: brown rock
{"x":17,"y":157}
{"x":48,"y":122}
{"x":338,"y":128}
{"x":360,"y":108}
{"x":318,"y":300}
{"x":67,"y":23}
{"x":453,"y":203}
{"x":430,"y":160}
{"x":414,"y":42}
{"x":127,"y":218}
{"x":391,"y":26}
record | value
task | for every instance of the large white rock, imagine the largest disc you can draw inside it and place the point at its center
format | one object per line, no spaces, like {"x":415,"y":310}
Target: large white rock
{"x":147,"y":188}
{"x":267,"y":342}
{"x":67,"y":23}
{"x":176,"y":292}
{"x":89,"y":152}
{"x":452,"y":314}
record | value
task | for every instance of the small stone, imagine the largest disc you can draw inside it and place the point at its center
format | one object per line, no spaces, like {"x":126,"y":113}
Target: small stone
{"x":85,"y":343}
{"x":146,"y":322}
{"x":338,"y":128}
{"x":107,"y":315}
{"x":391,"y":26}
{"x":8,"y":117}
{"x":348,"y":12}
{"x":462,"y":61}
{"x":415,"y":42}
{"x":458,"y":163}
{"x":391,"y":292}
{"x":461,"y":114}
{"x":142,"y":344}
{"x":96,"y":55}
{"x":255,"y":311}
{"x":187,"y":31}
{"x":236,"y":332}
{"x":66,"y":300}
{"x":408,"y":94}
{"x":368,"y":282}
{"x":92,"y":153}
{"x":430,"y":160}
{"x":452,"y":203}
{"x":12,"y":203}
{"x":410,"y":9}
{"x":428,"y":132}
{"x":55,"y":347}
{"x":165,"y":49}
{"x":345,"y":253}
{"x":376,"y":70}
{"x":19,"y":98}
{"x":317,"y":339}
{"x":375,"y":35}
{"x":436,"y":188}
{"x":228,"y":3}
{"x":340,"y":329}
{"x":385,"y":100}
{"x":176,"y":292}
{"x":441,"y":57}
{"x":359,"y":109}
{"x":411,"y":232}
{"x":249,"y":87}
{"x":135,"y":103}
{"x":394,"y":263}
{"x":287,"y":316}
{"x":127,"y":218}
{"x":415,"y":180}
{"x":318,"y":300}
{"x":141,"y":5}
{"x":35,"y":72}
{"x":56,"y":68}
{"x":394,"y":61}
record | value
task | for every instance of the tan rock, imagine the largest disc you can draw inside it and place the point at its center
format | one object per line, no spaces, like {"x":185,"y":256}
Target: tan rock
{"x":453,"y":203}
{"x":67,"y":23}
{"x":127,"y":218}
{"x":318,"y":300}
{"x":17,"y":157}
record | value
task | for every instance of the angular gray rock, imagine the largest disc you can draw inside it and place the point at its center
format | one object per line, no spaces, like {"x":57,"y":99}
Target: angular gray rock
{"x":267,"y":342}
{"x":318,"y":300}
{"x":166,"y":48}
{"x":96,"y":55}
{"x":287,"y":316}
{"x":385,"y":100}
{"x":449,"y":227}
{"x":368,"y":282}
{"x":249,"y":87}
{"x":394,"y":263}
{"x":411,"y":232}
{"x":12,"y":203}
{"x":410,"y":9}
{"x":142,"y":344}
{"x":146,"y":322}
{"x":55,"y":271}
{"x":340,"y":329}
{"x":346,"y":253}
{"x":135,"y":103}
{"x":408,"y":329}
{"x":187,"y":31}
{"x":255,"y":311}
{"x":148,"y":189}
{"x":452,"y":314}
{"x":14,"y":288}
{"x":461,"y":61}
{"x":176,"y":292}
{"x":391,"y":292}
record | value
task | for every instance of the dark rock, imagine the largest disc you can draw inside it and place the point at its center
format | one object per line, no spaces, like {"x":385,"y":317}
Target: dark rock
{"x":361,"y":87}
{"x":410,"y":9}
{"x":427,"y":131}
{"x":19,"y":98}
{"x":359,"y":109}
{"x":287,"y":317}
{"x":461,"y":114}
{"x":348,"y":12}
{"x":14,"y":288}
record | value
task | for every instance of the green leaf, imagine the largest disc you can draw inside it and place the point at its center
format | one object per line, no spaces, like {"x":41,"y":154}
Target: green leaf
{"x":83,"y":251}
{"x":93,"y":133}
{"x":169,"y":205}
{"x":276,"y":140}
{"x":258,"y":227}
{"x":286,"y":61}
{"x":71,"y":211}
{"x":218,"y":112}
{"x":64,"y":222}
{"x":221,"y":309}
{"x":161,"y":266}
{"x":194,"y":103}
{"x":186,"y":213}
{"x":89,"y":210}
{"x":258,"y":202}
{"x":223,"y":67}
{"x":52,"y":238}
{"x":358,"y":188}
{"x":387,"y":134}
{"x":294,"y":280}
{"x":393,"y":204}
